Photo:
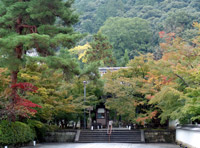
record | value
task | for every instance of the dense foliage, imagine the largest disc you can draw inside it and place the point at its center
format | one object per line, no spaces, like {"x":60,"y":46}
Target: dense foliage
{"x":131,"y":34}
{"x":15,"y":133}
{"x":163,"y":15}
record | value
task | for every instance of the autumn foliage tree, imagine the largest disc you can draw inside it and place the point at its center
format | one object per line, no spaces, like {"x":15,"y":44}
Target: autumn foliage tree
{"x":21,"y":107}
{"x":129,"y":93}
{"x":180,"y":100}
{"x":61,"y":99}
{"x":53,"y":92}
{"x":165,"y":89}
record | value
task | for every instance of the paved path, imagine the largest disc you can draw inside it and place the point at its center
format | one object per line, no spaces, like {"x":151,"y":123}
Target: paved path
{"x":102,"y":145}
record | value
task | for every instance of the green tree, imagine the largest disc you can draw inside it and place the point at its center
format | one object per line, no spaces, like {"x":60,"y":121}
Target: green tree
{"x":133,"y":34}
{"x":124,"y":60}
{"x":94,"y":13}
{"x":65,"y":62}
{"x":178,"y":21}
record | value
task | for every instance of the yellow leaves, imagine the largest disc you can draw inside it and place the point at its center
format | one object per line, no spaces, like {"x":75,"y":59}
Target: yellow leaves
{"x":80,"y":49}
{"x":43,"y":92}
{"x":4,"y":84}
{"x":5,"y":93}
{"x":47,"y":111}
{"x":4,"y":80}
{"x":83,"y":57}
{"x":197,"y":25}
{"x":65,"y":105}
{"x":2,"y":70}
{"x":28,"y":77}
{"x":81,"y":52}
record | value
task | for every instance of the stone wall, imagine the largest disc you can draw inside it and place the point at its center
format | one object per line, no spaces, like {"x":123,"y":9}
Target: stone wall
{"x":188,"y":136}
{"x":159,"y":136}
{"x":60,"y":136}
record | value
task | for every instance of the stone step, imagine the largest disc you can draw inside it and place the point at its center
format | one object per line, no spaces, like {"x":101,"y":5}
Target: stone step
{"x":125,"y":134}
{"x":110,"y":138}
{"x":112,"y":130}
{"x":110,"y":142}
{"x":111,"y":134}
{"x":120,"y":136}
{"x":138,"y":137}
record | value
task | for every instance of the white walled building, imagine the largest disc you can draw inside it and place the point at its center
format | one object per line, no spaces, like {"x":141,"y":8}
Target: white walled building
{"x":103,"y":70}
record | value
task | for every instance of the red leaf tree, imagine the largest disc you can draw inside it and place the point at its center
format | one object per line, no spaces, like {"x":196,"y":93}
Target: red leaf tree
{"x":19,"y":106}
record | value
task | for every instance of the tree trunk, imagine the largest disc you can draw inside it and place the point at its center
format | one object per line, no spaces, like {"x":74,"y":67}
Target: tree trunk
{"x":18,"y":53}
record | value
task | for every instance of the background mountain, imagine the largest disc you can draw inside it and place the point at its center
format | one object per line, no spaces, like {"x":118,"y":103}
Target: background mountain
{"x":175,"y":16}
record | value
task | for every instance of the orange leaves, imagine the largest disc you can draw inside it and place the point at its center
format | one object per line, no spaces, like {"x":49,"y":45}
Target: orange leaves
{"x":143,"y":120}
{"x":153,"y":114}
{"x":163,"y":45}
{"x":171,"y":35}
{"x":149,"y":97}
{"x":158,"y":81}
{"x":162,"y":34}
{"x":168,"y":37}
{"x":166,"y":80}
{"x":197,"y":25}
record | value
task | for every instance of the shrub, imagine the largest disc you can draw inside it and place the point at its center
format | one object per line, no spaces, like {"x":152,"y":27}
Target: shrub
{"x":41,"y":128}
{"x":15,"y":133}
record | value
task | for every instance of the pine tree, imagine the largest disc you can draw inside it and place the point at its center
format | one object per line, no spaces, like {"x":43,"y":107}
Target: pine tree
{"x":28,"y":24}
{"x":100,"y":51}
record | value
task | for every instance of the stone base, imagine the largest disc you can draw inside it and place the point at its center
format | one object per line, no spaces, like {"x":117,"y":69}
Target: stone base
{"x":159,"y":136}
{"x":60,"y":137}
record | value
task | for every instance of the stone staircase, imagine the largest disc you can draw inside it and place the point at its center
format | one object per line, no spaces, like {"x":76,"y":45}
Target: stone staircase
{"x":117,"y":136}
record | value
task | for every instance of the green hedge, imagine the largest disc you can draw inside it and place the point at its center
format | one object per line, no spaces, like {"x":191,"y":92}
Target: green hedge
{"x":15,"y":133}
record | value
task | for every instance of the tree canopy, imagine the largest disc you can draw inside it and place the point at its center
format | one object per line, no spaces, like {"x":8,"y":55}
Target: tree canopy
{"x":133,"y":34}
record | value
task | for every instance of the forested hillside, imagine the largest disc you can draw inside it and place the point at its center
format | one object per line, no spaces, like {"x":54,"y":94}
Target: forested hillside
{"x":175,"y":16}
